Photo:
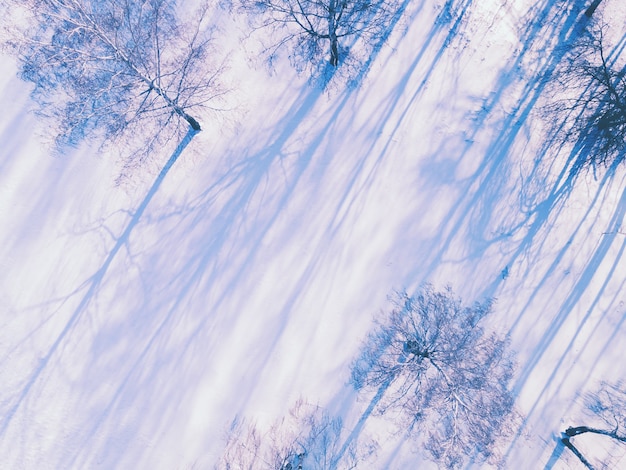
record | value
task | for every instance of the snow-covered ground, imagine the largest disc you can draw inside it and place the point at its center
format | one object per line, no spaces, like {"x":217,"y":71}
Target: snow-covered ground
{"x":257,"y":267}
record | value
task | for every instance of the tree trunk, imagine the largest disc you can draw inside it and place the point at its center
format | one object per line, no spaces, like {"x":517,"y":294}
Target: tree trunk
{"x":195,"y":125}
{"x":571,"y":432}
{"x":566,"y":442}
{"x":334,"y":52}
{"x":332,"y":33}
{"x":592,"y":8}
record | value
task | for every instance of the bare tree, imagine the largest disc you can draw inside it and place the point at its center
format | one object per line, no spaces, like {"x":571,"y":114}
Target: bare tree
{"x":115,"y":68}
{"x":608,"y":404}
{"x":307,"y":439}
{"x":444,"y":373}
{"x":591,"y":84}
{"x":311,"y":29}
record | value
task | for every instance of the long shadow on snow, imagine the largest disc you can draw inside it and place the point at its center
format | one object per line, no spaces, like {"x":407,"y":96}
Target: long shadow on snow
{"x":561,"y":188}
{"x":567,"y":306}
{"x":566,"y":26}
{"x":501,"y":146}
{"x":245,"y":180}
{"x":558,"y":450}
{"x":540,"y":207}
{"x":385,"y":112}
{"x":486,"y":185}
{"x":338,"y":217}
{"x":268,"y":155}
{"x":543,"y":212}
{"x":256,"y":166}
{"x":445,"y":18}
{"x":570,"y":169}
{"x":94,"y":283}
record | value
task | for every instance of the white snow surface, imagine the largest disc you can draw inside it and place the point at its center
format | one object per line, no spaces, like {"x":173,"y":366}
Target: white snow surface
{"x":257,"y":268}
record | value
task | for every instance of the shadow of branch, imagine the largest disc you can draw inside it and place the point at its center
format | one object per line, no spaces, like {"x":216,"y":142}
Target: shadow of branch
{"x":356,"y":431}
{"x":95,"y":280}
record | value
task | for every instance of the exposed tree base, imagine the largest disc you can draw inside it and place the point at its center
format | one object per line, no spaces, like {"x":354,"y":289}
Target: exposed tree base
{"x":195,"y":125}
{"x":592,"y":8}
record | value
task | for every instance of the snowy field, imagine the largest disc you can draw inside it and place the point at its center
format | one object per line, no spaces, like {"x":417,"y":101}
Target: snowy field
{"x":256,"y":269}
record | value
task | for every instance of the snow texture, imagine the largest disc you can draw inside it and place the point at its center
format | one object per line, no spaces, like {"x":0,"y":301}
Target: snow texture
{"x":133,"y":339}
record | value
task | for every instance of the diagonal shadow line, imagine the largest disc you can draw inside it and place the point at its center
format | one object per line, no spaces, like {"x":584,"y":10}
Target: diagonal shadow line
{"x":249,"y":174}
{"x":269,"y":154}
{"x":490,"y":167}
{"x":569,"y":33}
{"x":561,"y":135}
{"x":550,"y":334}
{"x":96,"y":279}
{"x":587,"y":317}
{"x":616,"y":328}
{"x":356,"y":431}
{"x":543,"y":211}
{"x":516,"y":118}
{"x":572,"y":28}
{"x":559,"y":446}
{"x":363,"y":70}
{"x":556,"y":453}
{"x":452,"y":33}
{"x":137,"y":361}
{"x":592,"y":267}
{"x":392,"y":104}
{"x":263,"y":159}
{"x":298,"y":114}
{"x":588,"y":341}
{"x":575,"y":294}
{"x":305,"y":158}
{"x":564,"y":182}
{"x":337,"y":219}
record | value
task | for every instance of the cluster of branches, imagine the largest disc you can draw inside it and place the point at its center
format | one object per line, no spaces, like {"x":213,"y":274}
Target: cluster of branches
{"x":312,"y":29}
{"x":307,"y":439}
{"x":592,"y":80}
{"x":132,"y":68}
{"x":115,"y":68}
{"x":608,"y":404}
{"x":437,"y":366}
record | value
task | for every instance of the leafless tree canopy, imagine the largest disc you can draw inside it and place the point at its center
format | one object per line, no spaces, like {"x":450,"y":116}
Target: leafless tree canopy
{"x":609,"y":404}
{"x":311,"y":29}
{"x":307,"y":439}
{"x":114,"y":67}
{"x":592,"y":82}
{"x":446,"y":376}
